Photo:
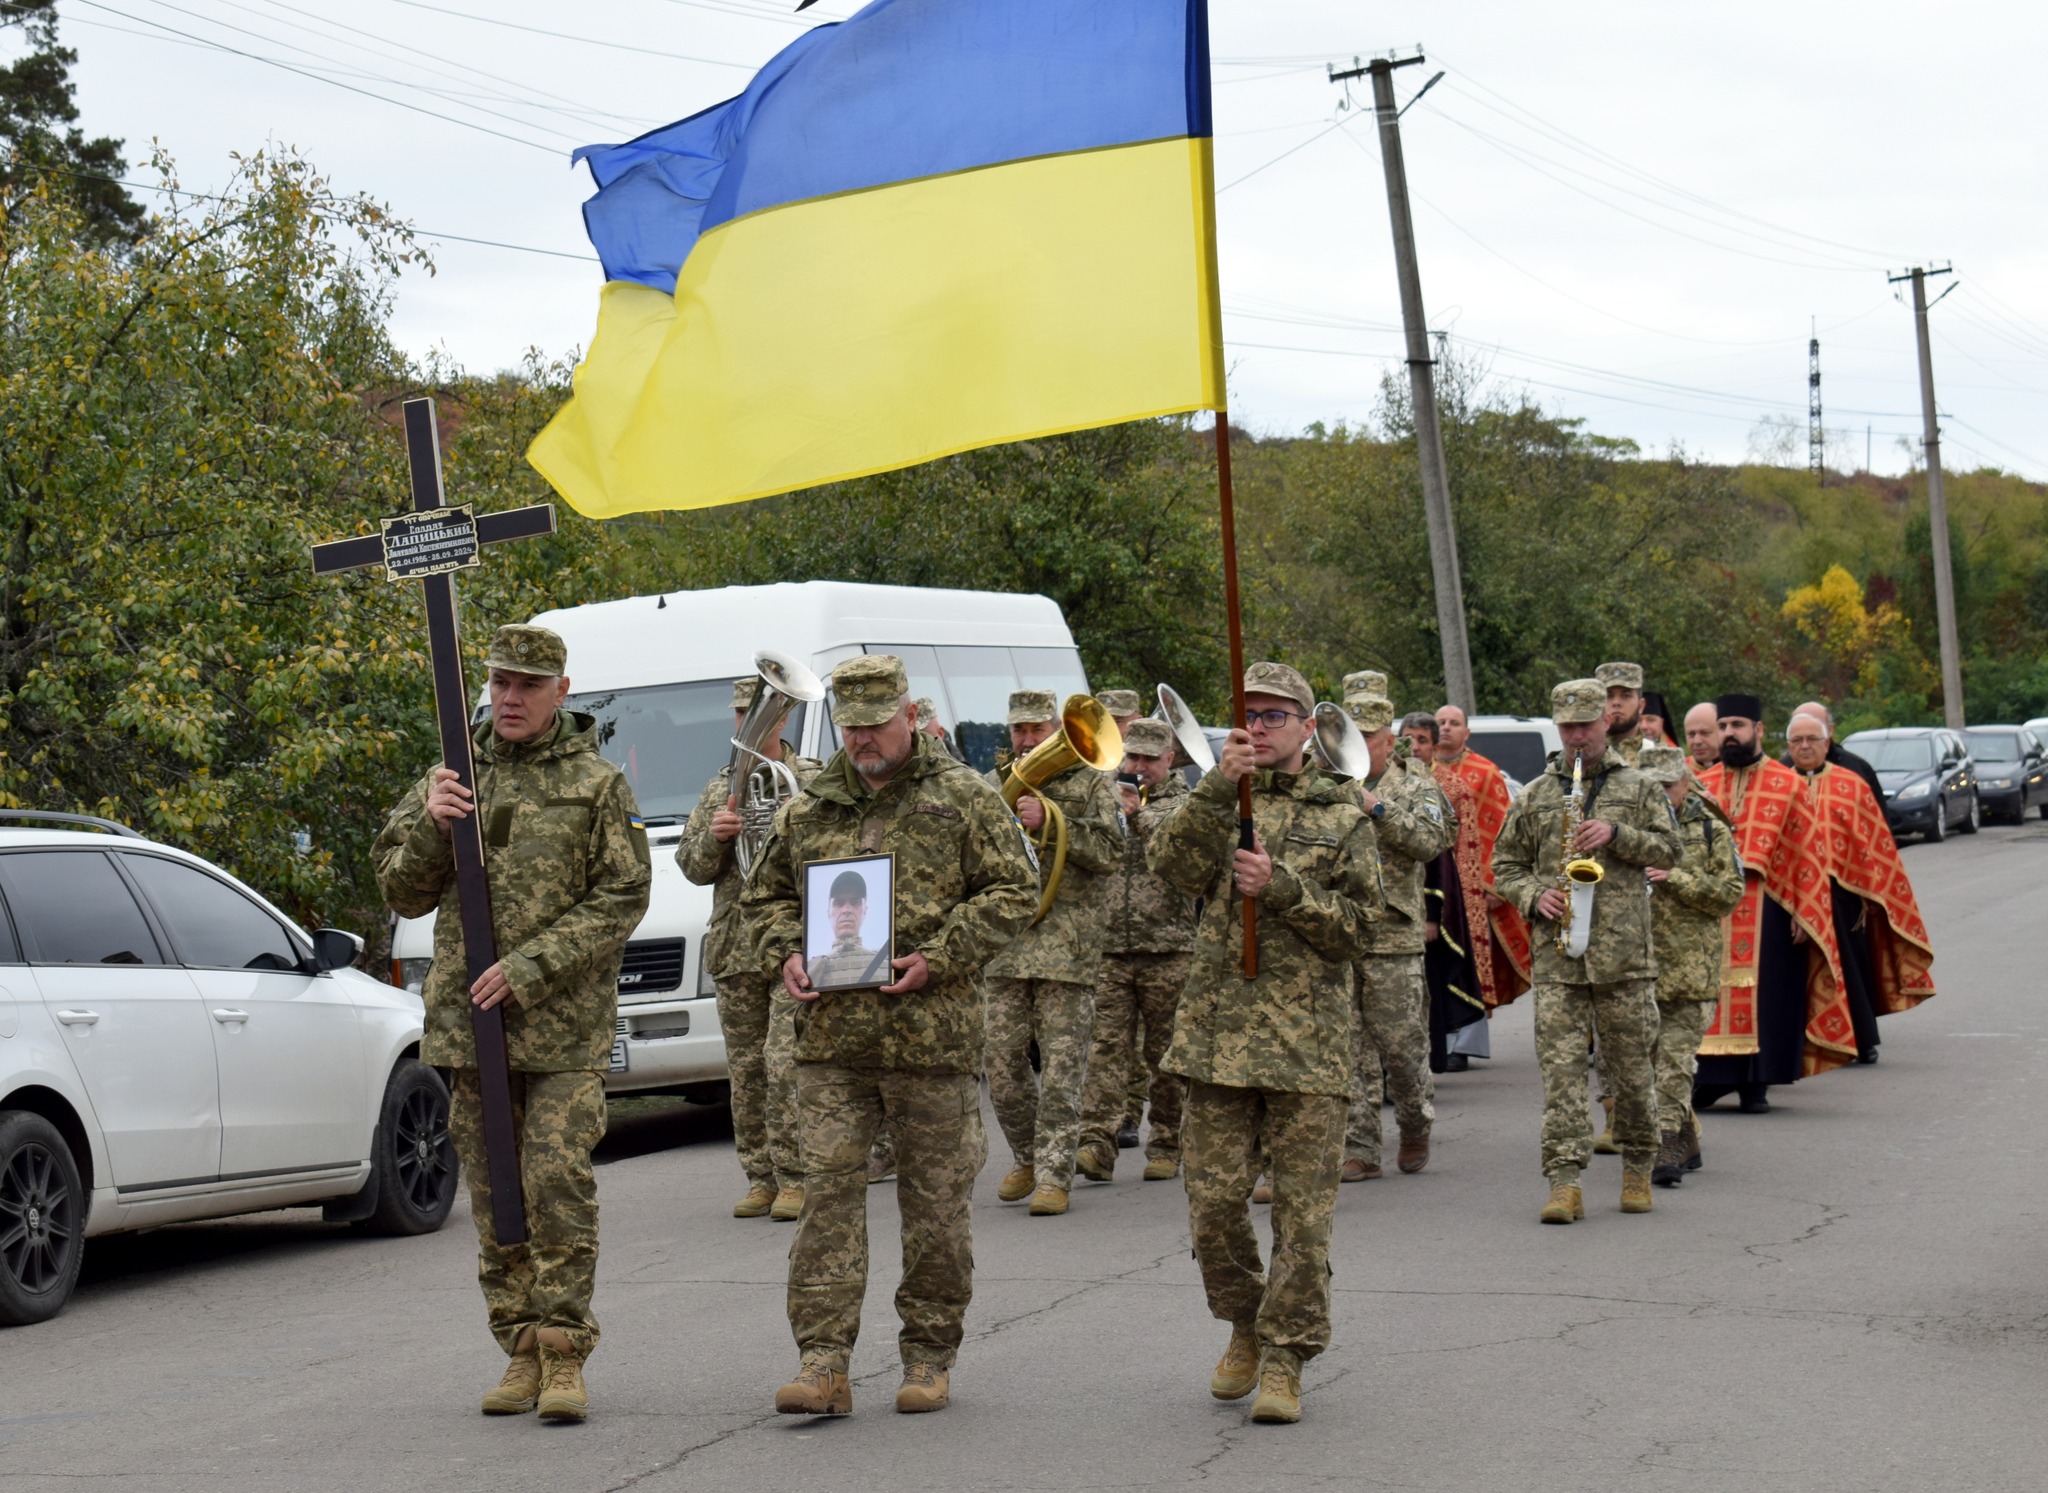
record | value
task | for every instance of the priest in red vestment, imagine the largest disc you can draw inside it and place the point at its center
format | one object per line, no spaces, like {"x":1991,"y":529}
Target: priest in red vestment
{"x":1886,"y":958}
{"x":1782,"y":1014}
{"x":1491,"y":799}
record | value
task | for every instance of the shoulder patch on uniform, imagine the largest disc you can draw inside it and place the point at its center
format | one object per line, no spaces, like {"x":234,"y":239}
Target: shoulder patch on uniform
{"x":637,"y":822}
{"x":1433,"y":809}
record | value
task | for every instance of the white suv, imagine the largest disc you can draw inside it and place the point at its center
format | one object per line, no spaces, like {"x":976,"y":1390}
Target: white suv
{"x":173,"y":1047}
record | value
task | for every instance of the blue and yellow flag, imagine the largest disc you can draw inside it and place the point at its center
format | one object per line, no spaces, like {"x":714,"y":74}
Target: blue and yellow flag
{"x":938,"y":225}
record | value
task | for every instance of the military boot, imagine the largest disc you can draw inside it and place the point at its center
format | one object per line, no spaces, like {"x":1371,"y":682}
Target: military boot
{"x":1414,"y":1153}
{"x":1358,"y":1169}
{"x":1263,"y":1192}
{"x":1048,"y":1201}
{"x":1279,"y":1400}
{"x":1094,"y":1164}
{"x":1670,"y":1168}
{"x":924,"y":1388}
{"x":1162,"y":1168}
{"x":519,"y":1388}
{"x":1237,"y":1371}
{"x":1635,"y":1192}
{"x":1567,"y":1204}
{"x":562,"y":1395}
{"x":1691,"y":1132}
{"x":789,"y":1202}
{"x":1017,"y":1183}
{"x":1603,"y":1143}
{"x":759,"y":1199}
{"x":818,"y":1389}
{"x":1127,"y":1133}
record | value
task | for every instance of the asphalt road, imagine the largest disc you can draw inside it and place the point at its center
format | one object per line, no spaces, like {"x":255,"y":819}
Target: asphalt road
{"x":1851,"y":1295}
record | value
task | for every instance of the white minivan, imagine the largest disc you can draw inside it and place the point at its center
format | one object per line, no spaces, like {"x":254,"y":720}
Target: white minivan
{"x":657,"y":672}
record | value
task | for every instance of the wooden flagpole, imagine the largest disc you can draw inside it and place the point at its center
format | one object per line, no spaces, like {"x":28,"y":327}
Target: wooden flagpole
{"x":1235,"y":622}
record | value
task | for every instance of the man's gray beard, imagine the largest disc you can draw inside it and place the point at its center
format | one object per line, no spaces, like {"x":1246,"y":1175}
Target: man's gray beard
{"x":884,"y":768}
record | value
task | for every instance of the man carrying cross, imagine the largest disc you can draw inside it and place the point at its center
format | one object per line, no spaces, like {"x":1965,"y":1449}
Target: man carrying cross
{"x":566,"y":856}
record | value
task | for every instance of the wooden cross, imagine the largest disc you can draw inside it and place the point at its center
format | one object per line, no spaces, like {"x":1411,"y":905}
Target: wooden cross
{"x":429,"y":545}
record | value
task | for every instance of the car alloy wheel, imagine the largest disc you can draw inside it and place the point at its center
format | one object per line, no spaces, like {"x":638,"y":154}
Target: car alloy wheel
{"x":42,"y":1219}
{"x":421,"y":1149}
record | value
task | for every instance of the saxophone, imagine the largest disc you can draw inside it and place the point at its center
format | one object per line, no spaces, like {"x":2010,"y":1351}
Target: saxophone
{"x":1577,"y":875}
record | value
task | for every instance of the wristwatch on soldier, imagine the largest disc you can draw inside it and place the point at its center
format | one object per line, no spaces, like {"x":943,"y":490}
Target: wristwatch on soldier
{"x":1379,"y":809}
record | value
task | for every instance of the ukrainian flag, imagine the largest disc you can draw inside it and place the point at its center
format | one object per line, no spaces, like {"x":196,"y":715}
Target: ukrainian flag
{"x":939,"y":225}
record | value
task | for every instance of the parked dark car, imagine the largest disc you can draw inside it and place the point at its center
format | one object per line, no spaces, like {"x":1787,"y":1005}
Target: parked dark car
{"x":2012,"y":770}
{"x":1930,"y":784}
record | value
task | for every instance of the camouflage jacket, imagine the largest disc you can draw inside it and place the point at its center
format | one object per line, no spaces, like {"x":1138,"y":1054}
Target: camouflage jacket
{"x":1686,"y":912}
{"x":1067,"y":944}
{"x":566,"y":857}
{"x":1292,"y":1028}
{"x":964,"y":887}
{"x":1147,"y":913}
{"x":708,"y":862}
{"x":1527,"y":862}
{"x":1629,"y":748}
{"x":1417,"y":827}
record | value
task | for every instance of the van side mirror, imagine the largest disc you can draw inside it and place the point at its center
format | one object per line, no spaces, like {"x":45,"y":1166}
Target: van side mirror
{"x":334,"y":949}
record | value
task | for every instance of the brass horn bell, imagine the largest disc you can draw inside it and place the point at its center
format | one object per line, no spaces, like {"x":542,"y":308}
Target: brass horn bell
{"x":1088,"y":733}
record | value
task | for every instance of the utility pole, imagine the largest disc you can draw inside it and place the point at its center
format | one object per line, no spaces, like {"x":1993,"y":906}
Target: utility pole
{"x":1429,"y":439}
{"x":1816,"y":437}
{"x":1937,"y":507}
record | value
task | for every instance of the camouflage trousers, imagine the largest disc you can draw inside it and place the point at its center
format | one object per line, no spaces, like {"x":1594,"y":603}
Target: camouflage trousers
{"x":940,"y":1149}
{"x":548,"y":1280}
{"x":1040,"y":1113}
{"x":1298,"y":1139}
{"x":1624,"y":1017}
{"x":1681,"y":1025}
{"x":759,"y":1020}
{"x":1134,"y":1006}
{"x":1393,"y":1031}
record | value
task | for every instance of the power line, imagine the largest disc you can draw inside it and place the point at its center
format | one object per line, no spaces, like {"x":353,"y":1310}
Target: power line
{"x":588,"y":41}
{"x":1276,"y":160}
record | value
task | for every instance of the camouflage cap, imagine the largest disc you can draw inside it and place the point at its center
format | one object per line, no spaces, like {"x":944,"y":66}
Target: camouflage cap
{"x":522,"y":649}
{"x":744,"y":690}
{"x":1620,"y":676}
{"x":1365,"y":682}
{"x":1119,"y":701}
{"x":1146,"y":737}
{"x":868,"y":689}
{"x":1370,"y":712}
{"x":927,"y":710}
{"x":1662,"y":764}
{"x":1278,"y":679}
{"x":1577,"y":701}
{"x":1030,"y":706}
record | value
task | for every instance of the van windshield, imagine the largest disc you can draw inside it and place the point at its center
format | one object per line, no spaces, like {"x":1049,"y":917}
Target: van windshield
{"x":971,"y":687}
{"x":1520,"y":754}
{"x":669,"y":739}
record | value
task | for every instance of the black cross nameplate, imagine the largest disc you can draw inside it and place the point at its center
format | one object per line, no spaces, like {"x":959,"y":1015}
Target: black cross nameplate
{"x":429,"y":545}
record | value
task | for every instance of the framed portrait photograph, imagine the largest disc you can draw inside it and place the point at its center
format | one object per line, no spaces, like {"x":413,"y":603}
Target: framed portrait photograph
{"x":850,"y":922}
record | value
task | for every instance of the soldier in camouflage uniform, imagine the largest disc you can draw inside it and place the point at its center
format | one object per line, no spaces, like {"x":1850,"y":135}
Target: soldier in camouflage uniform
{"x":1688,"y":905}
{"x":1269,"y":1060}
{"x":1151,"y":928}
{"x":1124,"y":707}
{"x":908,"y":1053}
{"x":1626,"y":826}
{"x":758,"y":1020}
{"x":566,"y":858}
{"x":1624,"y":685}
{"x":1414,"y":826}
{"x":1042,"y":986}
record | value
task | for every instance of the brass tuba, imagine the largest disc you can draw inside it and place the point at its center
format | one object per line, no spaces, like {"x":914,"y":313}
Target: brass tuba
{"x":761,"y":784}
{"x":1087,"y":734}
{"x":1339,"y":745}
{"x":1577,"y":875}
{"x":1186,"y":731}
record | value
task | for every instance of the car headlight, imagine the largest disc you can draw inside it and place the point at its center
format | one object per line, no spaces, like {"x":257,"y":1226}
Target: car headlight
{"x":412,"y":973}
{"x":1915,"y":790}
{"x":1997,"y":782}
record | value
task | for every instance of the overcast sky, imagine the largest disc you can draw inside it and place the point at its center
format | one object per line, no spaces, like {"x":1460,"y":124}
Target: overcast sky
{"x":1633,"y":211}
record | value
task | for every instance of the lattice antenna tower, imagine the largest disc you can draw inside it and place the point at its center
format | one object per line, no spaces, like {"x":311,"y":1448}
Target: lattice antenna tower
{"x":1816,"y":437}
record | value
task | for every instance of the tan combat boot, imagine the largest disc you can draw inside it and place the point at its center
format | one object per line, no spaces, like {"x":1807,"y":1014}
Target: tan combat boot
{"x":1237,"y":1371}
{"x":1092,"y":1163}
{"x":1049,"y":1201}
{"x":1567,"y":1204}
{"x":1263,"y":1192}
{"x":924,"y":1388}
{"x":818,"y":1389}
{"x":516,"y":1392}
{"x":759,"y":1199}
{"x":789,"y":1202}
{"x":1162,"y":1168}
{"x":1279,"y":1400}
{"x":562,"y":1395}
{"x":1017,"y":1183}
{"x":1635,"y":1192}
{"x":1603,"y":1143}
{"x":1358,"y":1169}
{"x":1414,"y":1153}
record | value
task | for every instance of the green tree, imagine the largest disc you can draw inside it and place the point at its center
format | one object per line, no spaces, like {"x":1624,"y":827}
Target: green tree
{"x":40,"y":142}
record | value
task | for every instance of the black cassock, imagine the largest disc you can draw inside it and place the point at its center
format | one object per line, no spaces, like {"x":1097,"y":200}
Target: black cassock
{"x":1447,"y":964}
{"x":1780,"y":1012}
